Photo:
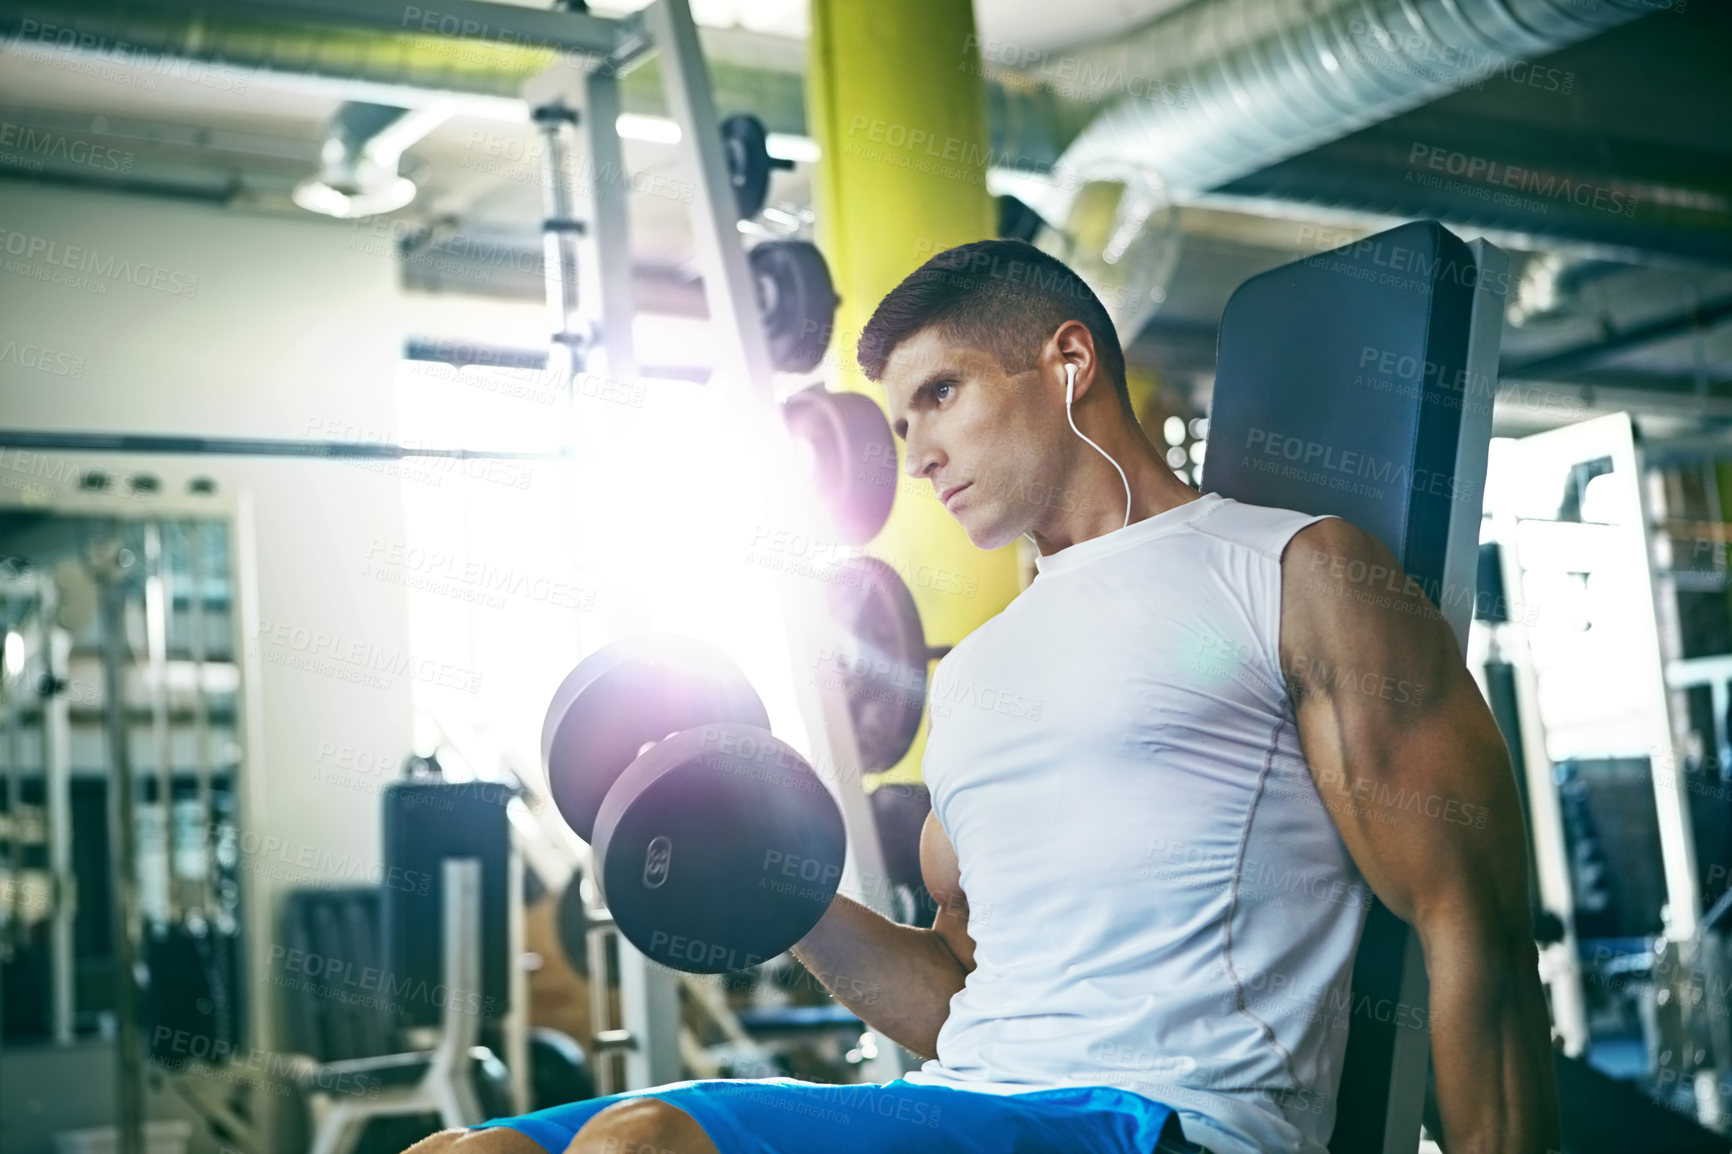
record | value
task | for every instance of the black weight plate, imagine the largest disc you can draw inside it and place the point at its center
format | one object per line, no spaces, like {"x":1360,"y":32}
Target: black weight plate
{"x":853,"y":457}
{"x":744,"y":145}
{"x":798,"y":302}
{"x":718,"y":849}
{"x":624,"y":695}
{"x":884,"y":675}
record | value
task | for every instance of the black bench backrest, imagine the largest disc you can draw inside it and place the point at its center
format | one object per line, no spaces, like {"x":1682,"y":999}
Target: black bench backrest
{"x":1341,"y":387}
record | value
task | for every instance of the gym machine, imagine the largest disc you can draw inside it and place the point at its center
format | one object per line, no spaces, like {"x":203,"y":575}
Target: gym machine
{"x":120,"y":656}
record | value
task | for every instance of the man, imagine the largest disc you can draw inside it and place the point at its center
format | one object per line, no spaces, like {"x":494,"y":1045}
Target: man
{"x":1153,"y":863}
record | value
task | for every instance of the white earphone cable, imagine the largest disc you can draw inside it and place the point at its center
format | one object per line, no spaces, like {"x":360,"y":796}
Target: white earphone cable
{"x":1069,"y":392}
{"x":1070,"y":387}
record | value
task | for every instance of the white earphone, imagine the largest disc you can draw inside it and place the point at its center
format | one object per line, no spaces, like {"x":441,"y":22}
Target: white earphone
{"x":1069,"y":391}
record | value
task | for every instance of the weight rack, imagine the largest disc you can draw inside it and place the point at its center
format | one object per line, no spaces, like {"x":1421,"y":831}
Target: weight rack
{"x":648,"y":1035}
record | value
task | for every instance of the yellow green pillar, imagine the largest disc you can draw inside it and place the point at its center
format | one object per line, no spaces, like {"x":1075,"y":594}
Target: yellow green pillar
{"x":897,"y":104}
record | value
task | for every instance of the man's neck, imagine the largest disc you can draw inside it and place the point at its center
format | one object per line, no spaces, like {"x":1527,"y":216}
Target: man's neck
{"x":1101,"y":507}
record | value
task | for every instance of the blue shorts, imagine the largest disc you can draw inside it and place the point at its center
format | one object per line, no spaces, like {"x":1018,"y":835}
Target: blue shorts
{"x":786,"y":1116}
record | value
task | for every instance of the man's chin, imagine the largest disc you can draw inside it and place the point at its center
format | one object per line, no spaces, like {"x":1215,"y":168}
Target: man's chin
{"x":989,"y":537}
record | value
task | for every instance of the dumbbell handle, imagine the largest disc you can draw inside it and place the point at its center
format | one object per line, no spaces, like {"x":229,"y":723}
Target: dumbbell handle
{"x":610,"y":1041}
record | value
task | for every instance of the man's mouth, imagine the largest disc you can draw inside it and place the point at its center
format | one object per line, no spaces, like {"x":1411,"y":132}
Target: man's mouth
{"x":945,"y":497}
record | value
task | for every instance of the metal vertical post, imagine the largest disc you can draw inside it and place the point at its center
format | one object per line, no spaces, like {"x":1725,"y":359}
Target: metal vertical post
{"x":1664,"y":706}
{"x":611,"y":230}
{"x":648,"y":1035}
{"x":560,"y":232}
{"x":746,"y":366}
{"x":649,"y":998}
{"x":1560,"y":963}
{"x":12,"y":826}
{"x":156,"y":610}
{"x":196,"y":589}
{"x":516,"y":1024}
{"x":116,"y":654}
{"x":56,"y":650}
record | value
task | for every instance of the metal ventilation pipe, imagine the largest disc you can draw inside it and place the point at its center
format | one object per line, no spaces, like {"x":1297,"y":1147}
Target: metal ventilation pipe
{"x":358,"y":162}
{"x":1222,"y":88}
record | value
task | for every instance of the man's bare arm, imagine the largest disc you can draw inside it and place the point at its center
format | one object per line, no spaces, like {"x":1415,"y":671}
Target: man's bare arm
{"x":1411,"y":765}
{"x":899,"y":979}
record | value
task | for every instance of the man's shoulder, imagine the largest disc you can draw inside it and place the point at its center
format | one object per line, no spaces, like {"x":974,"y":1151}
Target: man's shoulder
{"x":1268,"y":530}
{"x":1332,"y":543}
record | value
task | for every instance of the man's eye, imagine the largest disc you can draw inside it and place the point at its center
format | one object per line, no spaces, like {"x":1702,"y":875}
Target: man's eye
{"x":938,"y":391}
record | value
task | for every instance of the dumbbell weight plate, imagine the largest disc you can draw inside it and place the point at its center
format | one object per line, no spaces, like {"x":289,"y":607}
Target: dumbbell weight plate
{"x":718,"y":849}
{"x":853,"y":457}
{"x":744,"y":143}
{"x":797,"y":300}
{"x":884,"y":671}
{"x":624,"y":695}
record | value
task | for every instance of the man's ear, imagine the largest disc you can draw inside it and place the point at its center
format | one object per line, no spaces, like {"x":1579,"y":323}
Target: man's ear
{"x":1073,"y":344}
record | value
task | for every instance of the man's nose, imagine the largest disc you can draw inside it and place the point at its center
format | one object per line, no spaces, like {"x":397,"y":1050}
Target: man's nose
{"x":918,"y":458}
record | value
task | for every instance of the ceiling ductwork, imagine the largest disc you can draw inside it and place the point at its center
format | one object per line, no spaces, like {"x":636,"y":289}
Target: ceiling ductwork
{"x":1203,"y":103}
{"x":1222,"y":88}
{"x":358,"y":163}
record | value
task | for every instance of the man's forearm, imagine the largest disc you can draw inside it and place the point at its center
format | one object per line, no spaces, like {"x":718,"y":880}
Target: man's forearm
{"x":1490,"y":1045}
{"x":898,"y":978}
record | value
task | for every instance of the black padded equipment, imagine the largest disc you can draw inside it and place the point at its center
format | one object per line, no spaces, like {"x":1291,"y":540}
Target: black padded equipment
{"x":624,"y":695}
{"x":1299,"y":420}
{"x":424,"y":824}
{"x":340,"y":923}
{"x":718,"y":849}
{"x":1339,"y":388}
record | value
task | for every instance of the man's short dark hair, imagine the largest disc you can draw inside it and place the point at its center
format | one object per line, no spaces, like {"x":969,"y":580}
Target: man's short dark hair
{"x":1004,"y":296}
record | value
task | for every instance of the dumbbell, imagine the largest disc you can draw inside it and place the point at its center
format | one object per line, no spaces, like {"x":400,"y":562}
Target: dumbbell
{"x":715,"y":845}
{"x":745,"y":144}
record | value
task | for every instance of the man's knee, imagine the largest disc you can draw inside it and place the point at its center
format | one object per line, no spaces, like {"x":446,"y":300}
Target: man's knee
{"x":641,"y":1126}
{"x":495,"y":1140}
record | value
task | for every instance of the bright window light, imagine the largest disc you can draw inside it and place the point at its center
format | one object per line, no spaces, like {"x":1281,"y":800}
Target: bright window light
{"x":787,"y":146}
{"x":655,"y":129}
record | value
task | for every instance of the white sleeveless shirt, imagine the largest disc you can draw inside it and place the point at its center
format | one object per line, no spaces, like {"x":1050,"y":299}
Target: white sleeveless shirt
{"x":1158,"y":898}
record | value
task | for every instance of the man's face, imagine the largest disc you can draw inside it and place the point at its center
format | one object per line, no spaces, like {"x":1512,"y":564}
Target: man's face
{"x":984,"y":438}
